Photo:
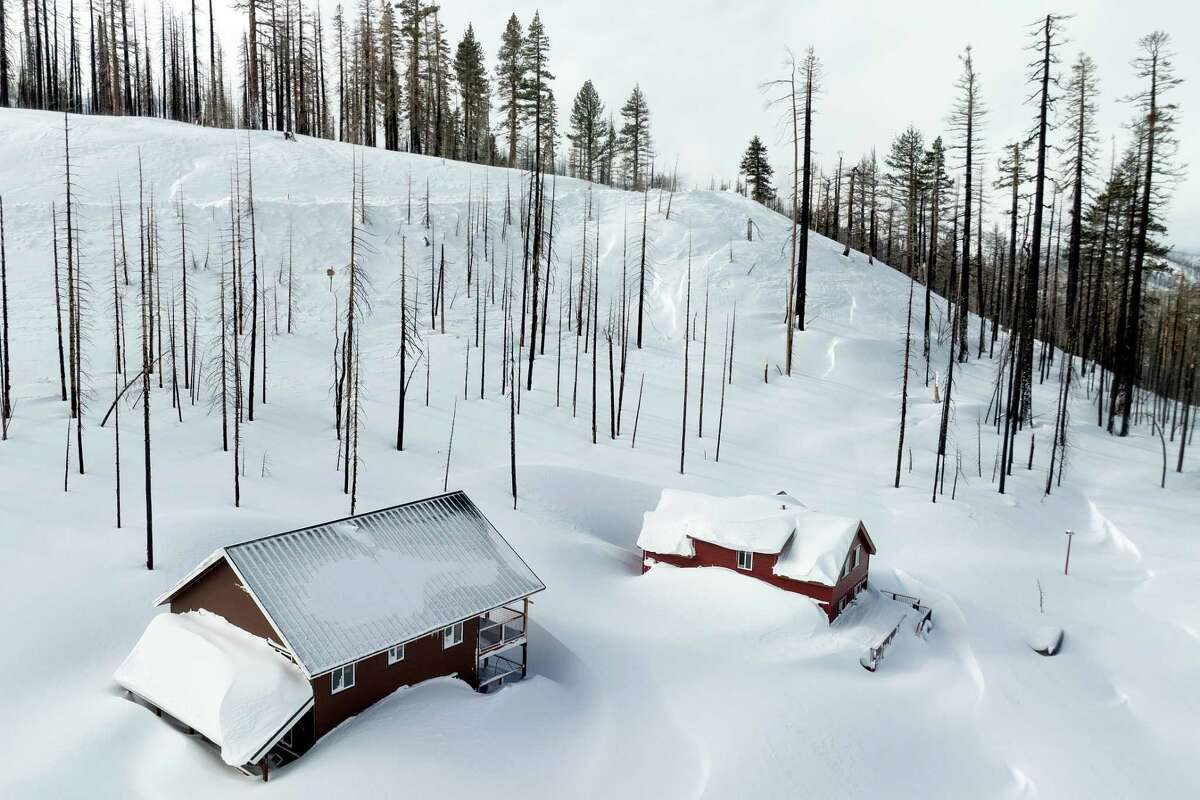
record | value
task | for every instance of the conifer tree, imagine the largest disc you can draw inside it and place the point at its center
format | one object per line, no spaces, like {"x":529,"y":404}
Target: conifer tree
{"x":587,"y":132}
{"x":1155,"y":65}
{"x":904,"y":184}
{"x":758,"y":172}
{"x":413,"y":16}
{"x":1081,"y":91}
{"x":636,"y":145}
{"x":510,"y":78}
{"x":389,"y":47}
{"x":936,"y":182}
{"x":474,"y":90}
{"x":535,"y":93}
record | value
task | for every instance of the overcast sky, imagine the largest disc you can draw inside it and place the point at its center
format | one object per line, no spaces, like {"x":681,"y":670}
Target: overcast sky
{"x":886,"y":64}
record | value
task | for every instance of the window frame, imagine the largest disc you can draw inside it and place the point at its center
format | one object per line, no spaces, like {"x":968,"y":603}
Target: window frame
{"x":341,"y":672}
{"x":395,"y":654}
{"x":748,"y":557}
{"x":453,"y":635}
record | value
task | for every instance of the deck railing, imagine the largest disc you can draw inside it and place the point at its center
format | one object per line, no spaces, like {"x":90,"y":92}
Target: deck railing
{"x":500,"y":628}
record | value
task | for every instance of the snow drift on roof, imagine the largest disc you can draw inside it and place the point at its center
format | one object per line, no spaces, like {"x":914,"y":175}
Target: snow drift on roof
{"x":811,"y":546}
{"x":226,"y":683}
{"x":342,"y":591}
{"x":818,"y":548}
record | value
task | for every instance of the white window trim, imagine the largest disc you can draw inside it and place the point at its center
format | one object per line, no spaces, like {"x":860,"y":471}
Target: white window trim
{"x":748,"y":556}
{"x":339,"y":676}
{"x":395,"y":654}
{"x":452,"y":635}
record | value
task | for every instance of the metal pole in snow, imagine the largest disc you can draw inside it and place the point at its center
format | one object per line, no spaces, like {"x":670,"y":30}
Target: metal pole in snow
{"x":1067,"y":565}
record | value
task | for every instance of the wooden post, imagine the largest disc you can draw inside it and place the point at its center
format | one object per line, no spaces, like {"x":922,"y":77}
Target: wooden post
{"x":1067,"y":565}
{"x":525,"y":645}
{"x":263,"y":766}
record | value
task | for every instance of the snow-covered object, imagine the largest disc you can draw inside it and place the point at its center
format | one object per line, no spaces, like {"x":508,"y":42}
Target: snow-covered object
{"x":226,"y":683}
{"x":1045,"y":639}
{"x":811,"y":546}
{"x":340,"y":591}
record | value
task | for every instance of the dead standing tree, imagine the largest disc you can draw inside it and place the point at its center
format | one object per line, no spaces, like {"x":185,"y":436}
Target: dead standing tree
{"x":687,"y":317}
{"x":74,"y":291}
{"x":253,"y":280}
{"x":904,"y":380}
{"x":5,"y":347}
{"x":143,"y":247}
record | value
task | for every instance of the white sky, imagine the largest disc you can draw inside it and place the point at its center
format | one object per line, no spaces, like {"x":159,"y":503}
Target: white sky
{"x":886,"y":64}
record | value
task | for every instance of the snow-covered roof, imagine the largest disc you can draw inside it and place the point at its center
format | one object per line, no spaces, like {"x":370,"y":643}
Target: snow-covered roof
{"x":228,"y":684}
{"x":344,"y":590}
{"x":811,"y":546}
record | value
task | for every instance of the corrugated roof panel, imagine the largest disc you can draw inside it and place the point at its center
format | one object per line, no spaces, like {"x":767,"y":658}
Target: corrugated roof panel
{"x":344,"y":590}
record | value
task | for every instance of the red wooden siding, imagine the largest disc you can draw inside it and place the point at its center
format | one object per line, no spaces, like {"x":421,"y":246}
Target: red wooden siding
{"x":218,"y":590}
{"x":374,"y":679}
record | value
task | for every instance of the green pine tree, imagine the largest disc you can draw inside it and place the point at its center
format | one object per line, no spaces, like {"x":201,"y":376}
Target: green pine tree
{"x":475,"y":95}
{"x":510,"y":78}
{"x":535,"y":95}
{"x":587,"y":132}
{"x":636,"y":145}
{"x":758,"y":172}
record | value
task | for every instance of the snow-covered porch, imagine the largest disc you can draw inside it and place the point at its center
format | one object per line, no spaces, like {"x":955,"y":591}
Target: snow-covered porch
{"x":501,"y":648}
{"x":229,"y":686}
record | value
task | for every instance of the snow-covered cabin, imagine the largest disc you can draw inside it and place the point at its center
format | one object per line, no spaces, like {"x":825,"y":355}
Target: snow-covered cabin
{"x":274,"y":642}
{"x":774,"y":538}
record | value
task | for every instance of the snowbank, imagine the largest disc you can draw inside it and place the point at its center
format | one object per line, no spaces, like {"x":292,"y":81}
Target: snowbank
{"x":811,"y":546}
{"x":228,"y":684}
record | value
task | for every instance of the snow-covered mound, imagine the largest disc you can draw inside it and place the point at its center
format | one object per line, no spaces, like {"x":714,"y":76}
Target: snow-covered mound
{"x":231,"y":686}
{"x":678,"y":683}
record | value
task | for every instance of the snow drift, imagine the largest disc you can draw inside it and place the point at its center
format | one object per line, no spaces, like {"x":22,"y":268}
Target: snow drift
{"x":228,"y":684}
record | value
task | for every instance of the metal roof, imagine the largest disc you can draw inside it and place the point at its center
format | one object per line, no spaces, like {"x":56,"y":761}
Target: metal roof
{"x":341,"y":591}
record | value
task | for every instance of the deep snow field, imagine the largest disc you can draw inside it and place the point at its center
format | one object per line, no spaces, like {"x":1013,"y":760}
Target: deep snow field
{"x":679,"y":683}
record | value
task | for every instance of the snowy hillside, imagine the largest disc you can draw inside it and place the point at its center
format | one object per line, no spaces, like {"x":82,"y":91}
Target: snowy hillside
{"x":679,"y":683}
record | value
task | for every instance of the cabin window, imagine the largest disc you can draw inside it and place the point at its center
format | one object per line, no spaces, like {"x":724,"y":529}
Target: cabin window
{"x":745,"y":560}
{"x":395,"y":654}
{"x":452,"y":635}
{"x":852,"y":560}
{"x":341,"y":679}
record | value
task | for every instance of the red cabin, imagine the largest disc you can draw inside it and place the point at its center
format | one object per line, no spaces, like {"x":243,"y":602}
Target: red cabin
{"x":774,"y":538}
{"x":272,"y":643}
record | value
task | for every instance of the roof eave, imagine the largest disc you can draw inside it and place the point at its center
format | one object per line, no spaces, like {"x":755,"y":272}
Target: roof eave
{"x":287,"y":726}
{"x":318,"y":673}
{"x":270,"y":621}
{"x":866,"y":536}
